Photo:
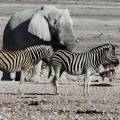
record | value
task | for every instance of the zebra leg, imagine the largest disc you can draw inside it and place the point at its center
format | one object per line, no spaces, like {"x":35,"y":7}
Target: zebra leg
{"x":110,"y":76}
{"x":56,"y":77}
{"x":87,"y":79}
{"x":36,"y":72}
{"x":21,"y":81}
{"x":113,"y":74}
{"x":85,"y":84}
{"x":103,"y":79}
{"x":54,"y":81}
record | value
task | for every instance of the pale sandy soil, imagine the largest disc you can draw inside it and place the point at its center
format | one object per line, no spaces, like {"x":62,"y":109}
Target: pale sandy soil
{"x":95,"y":23}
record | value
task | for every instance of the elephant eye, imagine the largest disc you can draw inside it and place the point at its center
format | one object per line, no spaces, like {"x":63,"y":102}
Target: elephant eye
{"x":55,"y":22}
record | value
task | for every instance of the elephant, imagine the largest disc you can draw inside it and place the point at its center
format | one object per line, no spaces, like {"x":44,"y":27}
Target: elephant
{"x":45,"y":25}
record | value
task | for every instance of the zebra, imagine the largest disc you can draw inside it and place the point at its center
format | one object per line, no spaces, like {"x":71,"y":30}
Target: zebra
{"x":85,"y":63}
{"x":108,"y":69}
{"x":24,"y":60}
{"x":108,"y":72}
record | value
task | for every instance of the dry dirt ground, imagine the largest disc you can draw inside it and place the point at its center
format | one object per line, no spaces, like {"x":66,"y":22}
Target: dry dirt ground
{"x":95,"y":22}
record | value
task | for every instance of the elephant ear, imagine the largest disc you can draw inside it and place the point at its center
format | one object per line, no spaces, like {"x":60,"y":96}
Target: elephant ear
{"x":39,"y":27}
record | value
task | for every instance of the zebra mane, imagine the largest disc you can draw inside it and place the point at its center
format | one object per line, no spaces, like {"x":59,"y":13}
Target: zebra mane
{"x":102,"y":47}
{"x":36,"y":46}
{"x":45,"y":47}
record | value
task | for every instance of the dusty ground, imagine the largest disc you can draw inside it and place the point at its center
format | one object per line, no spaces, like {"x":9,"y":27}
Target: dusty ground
{"x":95,"y":22}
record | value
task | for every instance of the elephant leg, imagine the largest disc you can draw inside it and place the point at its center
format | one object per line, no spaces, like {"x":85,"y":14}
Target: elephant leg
{"x":36,"y":72}
{"x":6,"y":76}
{"x":18,"y":76}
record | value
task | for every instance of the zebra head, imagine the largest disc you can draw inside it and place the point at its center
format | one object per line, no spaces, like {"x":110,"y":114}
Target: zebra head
{"x":113,"y":61}
{"x":47,"y":53}
{"x":110,"y":54}
{"x":106,"y":53}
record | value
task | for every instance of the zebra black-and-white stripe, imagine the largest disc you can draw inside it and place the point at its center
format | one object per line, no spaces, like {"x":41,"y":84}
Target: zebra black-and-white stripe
{"x":24,"y":60}
{"x":80,"y":63}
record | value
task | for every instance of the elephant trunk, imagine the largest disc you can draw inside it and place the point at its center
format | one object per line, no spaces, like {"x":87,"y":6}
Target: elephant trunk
{"x":67,"y":37}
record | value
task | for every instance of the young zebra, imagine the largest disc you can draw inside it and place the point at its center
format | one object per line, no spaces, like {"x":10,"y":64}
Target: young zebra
{"x":80,"y":63}
{"x":108,"y":72}
{"x":108,"y":69}
{"x":24,"y":60}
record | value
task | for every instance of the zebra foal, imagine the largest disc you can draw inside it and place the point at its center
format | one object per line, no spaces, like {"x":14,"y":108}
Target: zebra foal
{"x":108,"y":69}
{"x":23,"y":60}
{"x":80,"y":63}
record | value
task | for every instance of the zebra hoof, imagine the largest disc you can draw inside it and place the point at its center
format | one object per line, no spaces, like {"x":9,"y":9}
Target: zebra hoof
{"x":85,"y":94}
{"x":56,"y":93}
{"x":19,"y":92}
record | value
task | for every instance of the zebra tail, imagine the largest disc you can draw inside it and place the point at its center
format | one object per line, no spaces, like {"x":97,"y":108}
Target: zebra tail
{"x":50,"y":71}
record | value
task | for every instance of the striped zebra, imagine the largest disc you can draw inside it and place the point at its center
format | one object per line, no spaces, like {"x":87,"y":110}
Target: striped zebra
{"x":24,"y":60}
{"x":109,"y":72}
{"x":80,"y":63}
{"x":108,"y":69}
